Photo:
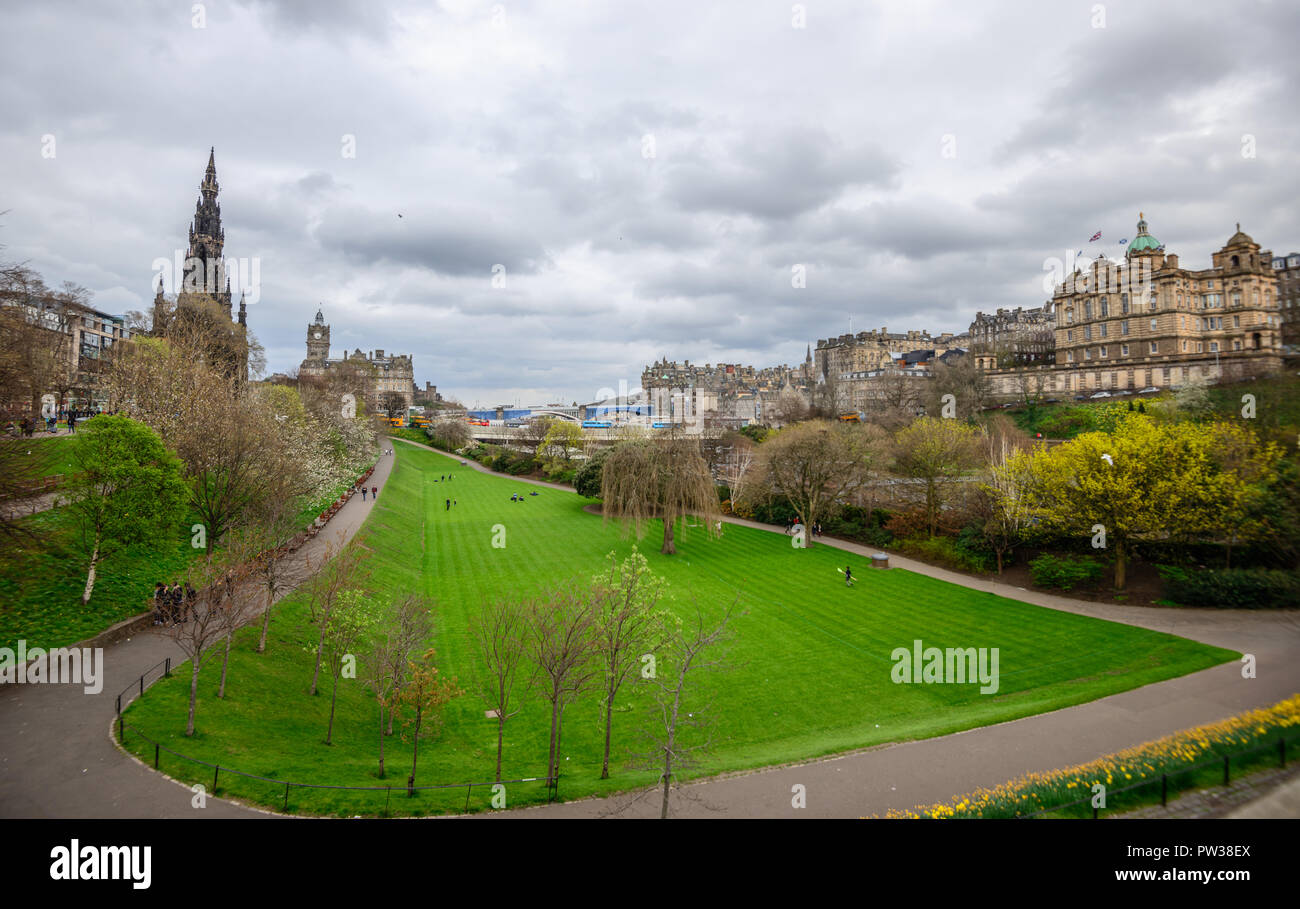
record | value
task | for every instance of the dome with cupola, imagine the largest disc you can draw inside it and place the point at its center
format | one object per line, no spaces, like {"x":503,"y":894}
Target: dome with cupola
{"x":1144,"y":242}
{"x":1240,"y":239}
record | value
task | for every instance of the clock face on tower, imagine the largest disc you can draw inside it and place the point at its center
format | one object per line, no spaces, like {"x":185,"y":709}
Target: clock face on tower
{"x":316,"y":336}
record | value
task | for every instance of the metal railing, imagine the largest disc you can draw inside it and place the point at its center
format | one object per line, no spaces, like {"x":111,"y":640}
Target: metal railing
{"x":137,"y":688}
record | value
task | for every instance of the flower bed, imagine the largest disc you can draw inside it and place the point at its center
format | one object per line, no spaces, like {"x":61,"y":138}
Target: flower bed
{"x":1188,"y":759}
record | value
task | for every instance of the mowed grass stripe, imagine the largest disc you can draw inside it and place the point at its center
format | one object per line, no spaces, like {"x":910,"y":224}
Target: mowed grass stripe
{"x":811,"y":657}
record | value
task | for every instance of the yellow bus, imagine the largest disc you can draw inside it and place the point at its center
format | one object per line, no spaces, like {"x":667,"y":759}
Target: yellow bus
{"x":396,"y":422}
{"x":420,"y":421}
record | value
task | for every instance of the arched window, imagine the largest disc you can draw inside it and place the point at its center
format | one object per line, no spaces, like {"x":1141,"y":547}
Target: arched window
{"x":1235,"y":262}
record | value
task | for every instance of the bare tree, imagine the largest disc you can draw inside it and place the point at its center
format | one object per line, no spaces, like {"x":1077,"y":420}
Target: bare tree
{"x":561,"y":645}
{"x":205,"y":621}
{"x":340,"y":573}
{"x":1004,"y":504}
{"x":965,"y":381}
{"x":351,"y":620}
{"x":238,"y":603}
{"x":405,"y":629}
{"x":627,"y":627}
{"x":815,"y":466}
{"x":501,"y":632}
{"x":676,"y":742}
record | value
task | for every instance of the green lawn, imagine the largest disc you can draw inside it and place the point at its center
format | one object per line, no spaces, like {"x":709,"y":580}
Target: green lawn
{"x":41,"y":586}
{"x":811,"y":658}
{"x":52,"y":454}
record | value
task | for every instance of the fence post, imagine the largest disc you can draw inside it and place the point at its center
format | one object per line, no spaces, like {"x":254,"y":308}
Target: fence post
{"x":1226,"y":759}
{"x":121,"y":730}
{"x":155,"y":755}
{"x":215,"y":771}
{"x":1164,"y":791}
{"x":388,"y":799}
{"x":119,"y":705}
{"x":468,"y":790}
{"x":286,"y":796}
{"x":167,"y":670}
{"x":142,"y":684}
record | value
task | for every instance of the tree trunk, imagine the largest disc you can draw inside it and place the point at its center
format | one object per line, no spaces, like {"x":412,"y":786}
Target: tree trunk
{"x":672,"y":740}
{"x":225,"y":661}
{"x":931,"y":506}
{"x":609,"y":721}
{"x":90,"y":577}
{"x":552,"y":770}
{"x":1120,"y":572}
{"x":668,"y":547}
{"x":334,"y":696}
{"x":415,"y":752}
{"x":320,"y":649}
{"x":999,"y":552}
{"x":381,"y":740}
{"x":194,"y":693}
{"x":501,"y":738}
{"x":266,"y":623}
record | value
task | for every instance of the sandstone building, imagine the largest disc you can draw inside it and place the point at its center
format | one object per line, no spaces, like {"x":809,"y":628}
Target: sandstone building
{"x":1150,"y":322}
{"x":1287,"y":269}
{"x":1013,"y":337}
{"x":387,"y":376}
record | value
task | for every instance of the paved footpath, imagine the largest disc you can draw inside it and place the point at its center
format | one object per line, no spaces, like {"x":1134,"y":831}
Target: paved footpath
{"x":57,"y":758}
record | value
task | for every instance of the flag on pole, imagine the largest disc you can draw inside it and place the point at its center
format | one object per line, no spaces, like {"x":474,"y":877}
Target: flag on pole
{"x":1095,"y":237}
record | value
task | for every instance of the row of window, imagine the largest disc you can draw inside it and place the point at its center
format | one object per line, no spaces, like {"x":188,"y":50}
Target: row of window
{"x":1153,"y":347}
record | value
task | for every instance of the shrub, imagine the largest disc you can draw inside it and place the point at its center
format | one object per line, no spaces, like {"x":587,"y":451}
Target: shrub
{"x":913,"y":522}
{"x":861,"y":525}
{"x":778,"y":511}
{"x":588,"y":477}
{"x":1065,"y":573}
{"x":1236,"y":588}
{"x":946,"y":552}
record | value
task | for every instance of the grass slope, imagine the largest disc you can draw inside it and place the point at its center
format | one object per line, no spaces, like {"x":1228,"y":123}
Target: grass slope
{"x":811,"y":658}
{"x":41,"y":586}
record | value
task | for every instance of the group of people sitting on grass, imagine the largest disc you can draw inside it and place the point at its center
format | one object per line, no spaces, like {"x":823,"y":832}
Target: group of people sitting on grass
{"x":516,"y":497}
{"x":173,"y":605}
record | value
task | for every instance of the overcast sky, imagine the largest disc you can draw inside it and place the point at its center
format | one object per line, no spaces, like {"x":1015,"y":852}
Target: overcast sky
{"x":647,"y":175}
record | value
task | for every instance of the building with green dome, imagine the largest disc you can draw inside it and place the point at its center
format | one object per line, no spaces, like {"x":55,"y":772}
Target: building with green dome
{"x":1148,"y":322}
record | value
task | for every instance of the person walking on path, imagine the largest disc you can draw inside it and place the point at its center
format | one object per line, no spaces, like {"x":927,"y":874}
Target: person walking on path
{"x":72,"y":424}
{"x":374,"y":493}
{"x":363,"y":493}
{"x":159,"y":602}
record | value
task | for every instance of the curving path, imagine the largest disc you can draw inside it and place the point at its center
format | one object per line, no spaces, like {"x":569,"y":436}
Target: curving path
{"x":58,"y":759}
{"x":57,"y":754}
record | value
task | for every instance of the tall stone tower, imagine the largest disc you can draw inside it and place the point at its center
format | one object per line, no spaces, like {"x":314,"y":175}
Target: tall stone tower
{"x":205,"y":270}
{"x":318,"y":338}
